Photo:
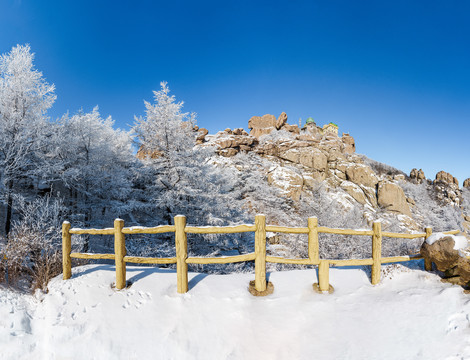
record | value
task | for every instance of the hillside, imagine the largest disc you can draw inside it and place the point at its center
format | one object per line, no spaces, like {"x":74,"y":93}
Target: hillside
{"x":410,"y":314}
{"x":293,"y":173}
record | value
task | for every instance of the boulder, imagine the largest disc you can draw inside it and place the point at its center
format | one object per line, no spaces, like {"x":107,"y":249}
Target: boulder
{"x":291,"y":128}
{"x":225,"y":141}
{"x":421,"y":176}
{"x":262,"y":125}
{"x":228,"y":152}
{"x":466,"y":183}
{"x":292,"y":155}
{"x":355,"y":191}
{"x":201,"y":134}
{"x":371,"y":195}
{"x":349,"y":144}
{"x":310,"y":157}
{"x":361,"y":175}
{"x":239,"y":131}
{"x":313,"y":158}
{"x":391,"y":197}
{"x":281,"y":120}
{"x":417,"y":175}
{"x":442,"y":253}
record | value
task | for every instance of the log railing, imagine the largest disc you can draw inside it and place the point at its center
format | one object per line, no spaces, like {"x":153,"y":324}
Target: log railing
{"x":258,"y":256}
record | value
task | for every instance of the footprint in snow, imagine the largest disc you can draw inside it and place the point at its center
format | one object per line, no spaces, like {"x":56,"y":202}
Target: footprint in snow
{"x":457,"y":322}
{"x":144,"y":297}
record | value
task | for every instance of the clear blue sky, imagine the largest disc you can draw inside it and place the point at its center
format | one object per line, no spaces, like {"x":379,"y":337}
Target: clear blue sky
{"x":394,"y":74}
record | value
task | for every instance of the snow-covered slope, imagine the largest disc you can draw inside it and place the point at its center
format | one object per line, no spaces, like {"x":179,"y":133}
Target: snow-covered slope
{"x":410,"y":315}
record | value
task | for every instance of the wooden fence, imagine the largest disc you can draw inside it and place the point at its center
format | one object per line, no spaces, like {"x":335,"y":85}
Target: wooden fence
{"x":180,"y":229}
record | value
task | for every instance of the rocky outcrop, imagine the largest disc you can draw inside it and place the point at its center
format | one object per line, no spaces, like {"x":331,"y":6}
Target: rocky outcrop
{"x":229,"y":144}
{"x":447,"y":189}
{"x":455,"y":266}
{"x":391,"y":197}
{"x":349,"y":144}
{"x":466,"y":183}
{"x":291,"y":128}
{"x":417,"y":175}
{"x":262,"y":125}
{"x":281,"y":120}
{"x":309,"y":157}
{"x":361,"y":175}
{"x":446,"y":178}
{"x":355,"y":191}
{"x":201,"y":134}
{"x":144,"y":153}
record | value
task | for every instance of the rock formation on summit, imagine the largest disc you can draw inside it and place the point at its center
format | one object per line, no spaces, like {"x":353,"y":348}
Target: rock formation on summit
{"x":301,"y":159}
{"x":446,"y":178}
{"x":417,"y":175}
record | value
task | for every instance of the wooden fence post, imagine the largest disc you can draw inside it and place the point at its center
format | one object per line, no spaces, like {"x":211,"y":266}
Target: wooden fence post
{"x":324,"y":275}
{"x":428,"y":263}
{"x":260,"y":253}
{"x":313,"y":248}
{"x":119,"y":253}
{"x":376,"y":252}
{"x":66,"y":249}
{"x":181,"y":243}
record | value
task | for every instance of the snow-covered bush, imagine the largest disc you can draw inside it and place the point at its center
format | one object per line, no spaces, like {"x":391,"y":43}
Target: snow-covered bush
{"x":428,"y":211}
{"x":331,"y":213}
{"x":381,"y":168}
{"x":34,"y":243}
{"x":466,"y":201}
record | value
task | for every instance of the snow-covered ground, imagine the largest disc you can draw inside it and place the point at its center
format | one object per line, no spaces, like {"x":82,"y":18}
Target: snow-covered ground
{"x":409,"y":315}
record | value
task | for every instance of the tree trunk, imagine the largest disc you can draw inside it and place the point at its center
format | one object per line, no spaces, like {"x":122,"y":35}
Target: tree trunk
{"x":9,"y":208}
{"x":167,"y":215}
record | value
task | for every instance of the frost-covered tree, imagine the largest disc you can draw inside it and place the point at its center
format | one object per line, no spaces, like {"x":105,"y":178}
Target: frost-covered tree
{"x":184,"y":181}
{"x":24,"y":99}
{"x":92,"y":163}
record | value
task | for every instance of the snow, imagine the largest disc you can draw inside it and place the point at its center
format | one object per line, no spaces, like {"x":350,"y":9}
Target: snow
{"x":460,"y":242}
{"x":410,"y":314}
{"x":341,"y":198}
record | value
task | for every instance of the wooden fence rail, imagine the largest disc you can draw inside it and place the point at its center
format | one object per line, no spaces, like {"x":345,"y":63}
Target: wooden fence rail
{"x":259,"y":255}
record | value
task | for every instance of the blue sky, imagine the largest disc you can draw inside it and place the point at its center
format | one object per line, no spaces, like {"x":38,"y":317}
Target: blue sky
{"x":394,"y":74}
